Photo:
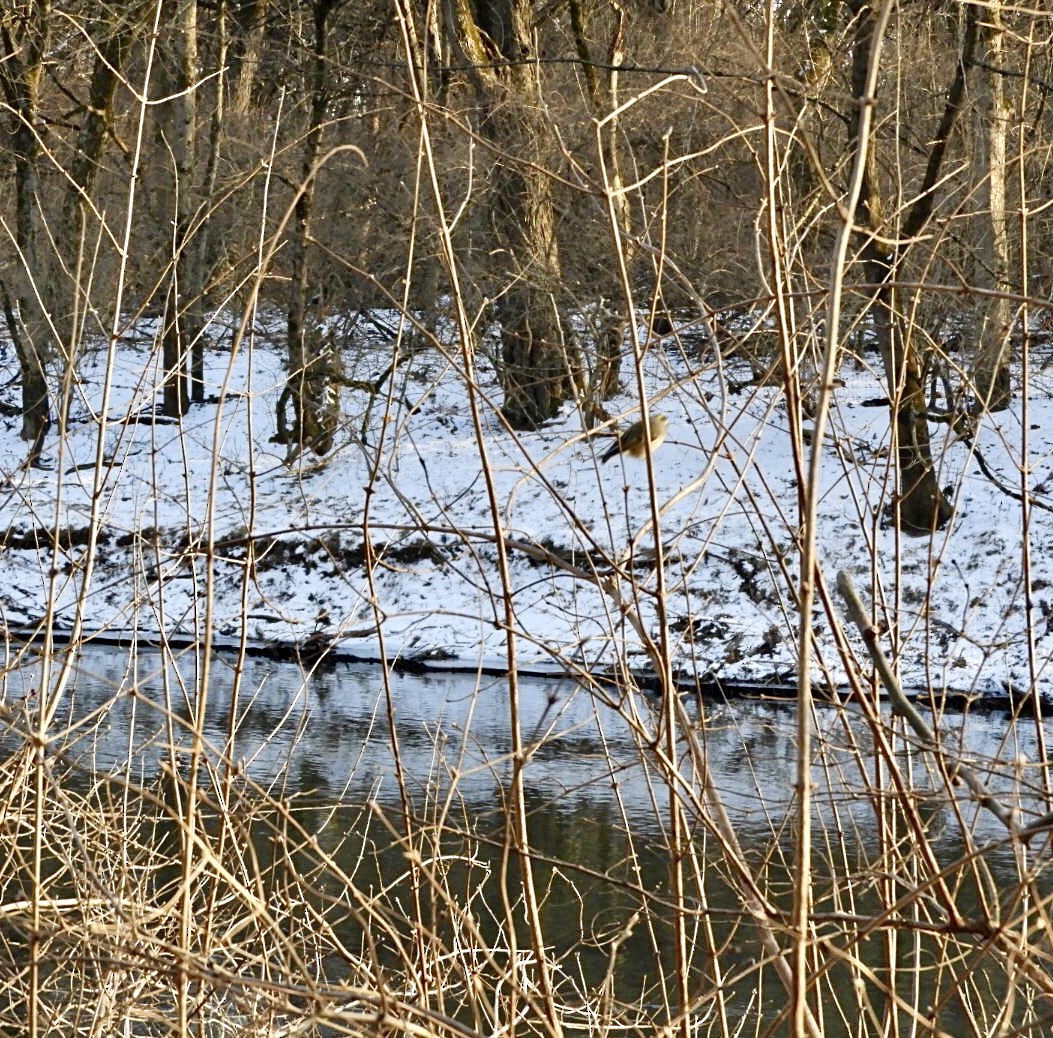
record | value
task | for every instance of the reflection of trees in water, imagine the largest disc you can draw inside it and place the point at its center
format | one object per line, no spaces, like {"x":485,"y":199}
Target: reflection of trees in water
{"x":590,"y":882}
{"x":323,"y":834}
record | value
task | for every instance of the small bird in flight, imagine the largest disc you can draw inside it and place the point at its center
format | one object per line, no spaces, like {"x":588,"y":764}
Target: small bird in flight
{"x":634,"y":439}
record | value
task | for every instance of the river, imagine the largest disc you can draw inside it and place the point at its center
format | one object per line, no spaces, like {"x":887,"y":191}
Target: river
{"x":598,"y":802}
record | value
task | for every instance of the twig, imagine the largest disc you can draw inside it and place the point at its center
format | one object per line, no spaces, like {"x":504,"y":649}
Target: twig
{"x":905,"y":708}
{"x":1034,"y":502}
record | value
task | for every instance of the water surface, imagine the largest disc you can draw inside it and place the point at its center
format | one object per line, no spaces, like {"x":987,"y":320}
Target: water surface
{"x":599,"y":804}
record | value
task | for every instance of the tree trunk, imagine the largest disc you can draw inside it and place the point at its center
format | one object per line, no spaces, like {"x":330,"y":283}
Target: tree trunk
{"x":204,"y":247}
{"x":606,"y":374}
{"x":536,"y":370}
{"x":178,"y":130}
{"x":252,"y":24}
{"x":995,"y":317}
{"x":605,"y":377}
{"x":111,"y":45}
{"x":25,"y":293}
{"x":312,"y":383}
{"x":921,"y":504}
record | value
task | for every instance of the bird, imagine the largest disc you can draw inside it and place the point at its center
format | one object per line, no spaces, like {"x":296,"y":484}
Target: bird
{"x":634,"y":439}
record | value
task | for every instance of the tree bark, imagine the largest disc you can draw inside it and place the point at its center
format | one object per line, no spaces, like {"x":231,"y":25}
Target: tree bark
{"x":205,"y":241}
{"x":536,"y":370}
{"x":312,"y":383}
{"x":252,"y":24}
{"x":610,"y":333}
{"x":25,"y":38}
{"x":111,"y":43}
{"x":921,"y":504}
{"x":995,"y":317}
{"x":178,"y":130}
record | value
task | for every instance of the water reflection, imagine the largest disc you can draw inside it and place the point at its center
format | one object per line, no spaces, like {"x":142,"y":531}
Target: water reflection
{"x":599,"y":808}
{"x":328,"y":733}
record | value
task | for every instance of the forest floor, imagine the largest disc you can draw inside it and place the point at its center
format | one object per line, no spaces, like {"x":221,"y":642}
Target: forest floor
{"x":386,"y":547}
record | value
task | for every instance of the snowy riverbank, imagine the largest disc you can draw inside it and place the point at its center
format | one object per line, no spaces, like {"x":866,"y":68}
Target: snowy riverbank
{"x":291,"y":563}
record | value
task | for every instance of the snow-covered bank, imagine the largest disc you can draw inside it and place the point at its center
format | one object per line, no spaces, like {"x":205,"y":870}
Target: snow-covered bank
{"x":387,"y":547}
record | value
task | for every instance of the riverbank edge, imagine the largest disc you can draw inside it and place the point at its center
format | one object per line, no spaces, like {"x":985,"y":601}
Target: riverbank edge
{"x":323,"y":654}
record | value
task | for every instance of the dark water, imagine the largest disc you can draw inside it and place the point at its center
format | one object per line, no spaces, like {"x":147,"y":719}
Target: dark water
{"x":599,"y":816}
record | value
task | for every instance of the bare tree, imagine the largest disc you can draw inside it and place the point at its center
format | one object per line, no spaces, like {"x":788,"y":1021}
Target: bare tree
{"x":111,"y":42}
{"x":991,"y":375}
{"x":76,"y":306}
{"x":603,"y":98}
{"x":207,"y":232}
{"x":496,"y":41}
{"x":178,"y":132}
{"x":921,"y":504}
{"x":25,"y":35}
{"x":312,"y":385}
{"x":251,"y":22}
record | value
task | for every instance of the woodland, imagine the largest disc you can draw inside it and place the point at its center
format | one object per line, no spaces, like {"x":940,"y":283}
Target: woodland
{"x":269,"y":223}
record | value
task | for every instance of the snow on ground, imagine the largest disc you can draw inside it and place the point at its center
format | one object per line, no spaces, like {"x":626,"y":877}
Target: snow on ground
{"x":725,"y":485}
